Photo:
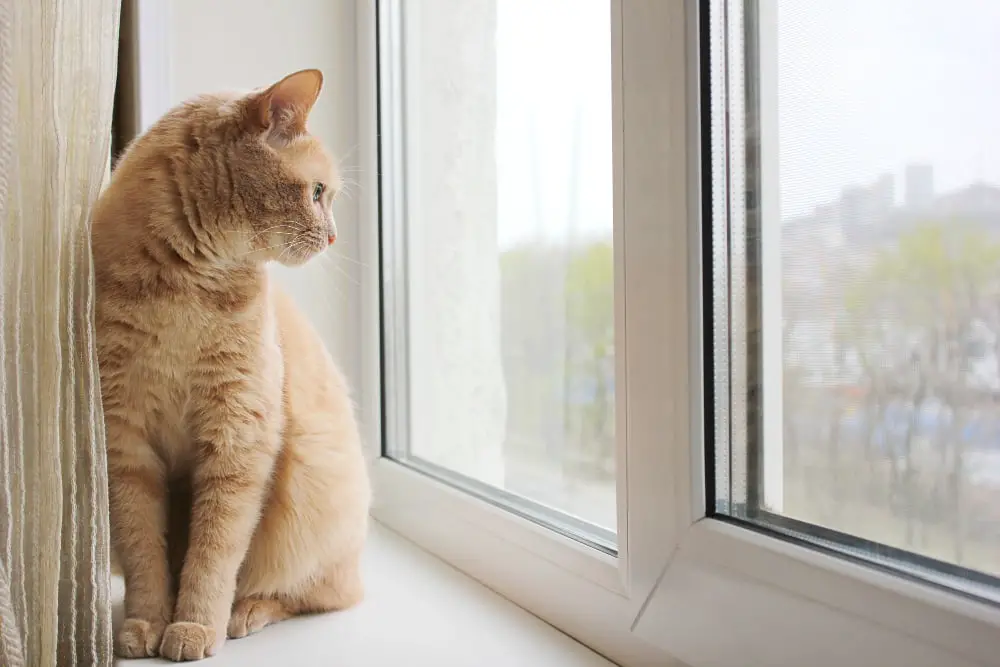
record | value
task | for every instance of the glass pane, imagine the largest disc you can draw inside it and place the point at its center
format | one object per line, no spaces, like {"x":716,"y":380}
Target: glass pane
{"x":861,"y":232}
{"x":505,"y":190}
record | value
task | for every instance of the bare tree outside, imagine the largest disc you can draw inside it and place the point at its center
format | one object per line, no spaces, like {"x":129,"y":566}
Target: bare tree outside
{"x":892,"y":380}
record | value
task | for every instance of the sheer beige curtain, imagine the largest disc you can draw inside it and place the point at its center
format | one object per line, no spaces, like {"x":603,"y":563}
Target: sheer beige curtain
{"x":57,"y":77}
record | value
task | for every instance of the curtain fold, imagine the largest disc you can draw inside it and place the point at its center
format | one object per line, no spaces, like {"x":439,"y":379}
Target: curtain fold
{"x":58,"y":61}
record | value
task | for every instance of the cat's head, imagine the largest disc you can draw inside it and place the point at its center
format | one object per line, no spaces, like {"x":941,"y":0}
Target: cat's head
{"x":255,"y":185}
{"x":294,"y":221}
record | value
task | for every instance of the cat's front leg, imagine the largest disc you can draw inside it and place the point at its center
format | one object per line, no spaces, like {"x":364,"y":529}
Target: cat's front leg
{"x":137,"y":494}
{"x":236,"y":452}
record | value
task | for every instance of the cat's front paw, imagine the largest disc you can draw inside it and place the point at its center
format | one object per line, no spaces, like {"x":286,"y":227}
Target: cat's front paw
{"x":187,"y":641}
{"x":139,"y":638}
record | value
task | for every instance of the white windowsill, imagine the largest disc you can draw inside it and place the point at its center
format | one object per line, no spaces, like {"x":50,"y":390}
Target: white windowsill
{"x":418,"y":611}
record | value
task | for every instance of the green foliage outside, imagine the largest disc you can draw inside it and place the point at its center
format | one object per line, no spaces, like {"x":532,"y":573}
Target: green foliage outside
{"x":558,"y":349}
{"x":917,"y":344}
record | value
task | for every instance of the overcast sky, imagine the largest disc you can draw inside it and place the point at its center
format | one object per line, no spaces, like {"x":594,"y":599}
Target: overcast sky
{"x":864,"y":87}
{"x":553,"y":92}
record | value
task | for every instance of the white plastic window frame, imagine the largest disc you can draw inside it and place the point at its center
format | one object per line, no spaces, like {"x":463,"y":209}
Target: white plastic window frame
{"x":594,"y":596}
{"x":684,"y":588}
{"x":731,"y":595}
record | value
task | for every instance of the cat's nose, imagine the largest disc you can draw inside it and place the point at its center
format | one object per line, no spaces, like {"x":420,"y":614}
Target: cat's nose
{"x":331,"y":238}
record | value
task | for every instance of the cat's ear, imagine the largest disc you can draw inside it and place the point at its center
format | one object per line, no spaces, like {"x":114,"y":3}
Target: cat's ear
{"x":282,"y":110}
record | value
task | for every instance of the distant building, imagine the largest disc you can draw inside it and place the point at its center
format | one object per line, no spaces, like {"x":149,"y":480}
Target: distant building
{"x":919,"y":185}
{"x":838,"y":240}
{"x":865,"y":218}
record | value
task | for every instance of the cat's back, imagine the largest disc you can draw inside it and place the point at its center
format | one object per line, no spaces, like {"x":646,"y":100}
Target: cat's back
{"x":144,"y":193}
{"x":321,"y":471}
{"x":314,"y":384}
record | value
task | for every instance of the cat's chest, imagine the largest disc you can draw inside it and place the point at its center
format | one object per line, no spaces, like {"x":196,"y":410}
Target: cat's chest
{"x":164,"y":370}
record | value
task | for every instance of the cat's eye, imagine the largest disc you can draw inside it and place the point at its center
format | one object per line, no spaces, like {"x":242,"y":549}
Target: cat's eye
{"x":318,"y":191}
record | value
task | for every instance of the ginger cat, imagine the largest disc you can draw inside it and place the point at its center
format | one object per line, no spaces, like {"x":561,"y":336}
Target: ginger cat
{"x":238,"y":488}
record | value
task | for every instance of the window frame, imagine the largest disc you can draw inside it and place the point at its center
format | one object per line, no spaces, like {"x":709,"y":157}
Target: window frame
{"x":396,"y":99}
{"x":731,"y":584}
{"x":589,"y":594}
{"x":685,"y":586}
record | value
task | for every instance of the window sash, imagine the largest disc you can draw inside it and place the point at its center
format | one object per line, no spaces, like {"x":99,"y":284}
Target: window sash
{"x":745,"y":227}
{"x":584,"y":591}
{"x":729,"y":585}
{"x":396,"y":303}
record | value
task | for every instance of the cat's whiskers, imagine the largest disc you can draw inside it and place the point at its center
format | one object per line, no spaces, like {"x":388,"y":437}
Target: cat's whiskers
{"x":340,"y":255}
{"x":348,"y":185}
{"x":257,"y":236}
{"x":328,"y":261}
{"x":295,"y":245}
{"x":298,"y":244}
{"x":262,"y":232}
{"x":350,"y":279}
{"x":349,"y":153}
{"x":250,"y":252}
{"x":323,"y":260}
{"x":281,"y":254}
